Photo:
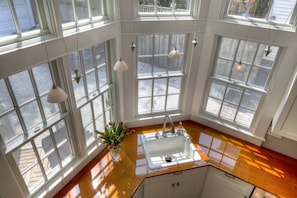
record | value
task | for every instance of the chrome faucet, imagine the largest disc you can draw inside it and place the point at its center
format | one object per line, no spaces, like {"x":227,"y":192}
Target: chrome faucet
{"x":164,"y":126}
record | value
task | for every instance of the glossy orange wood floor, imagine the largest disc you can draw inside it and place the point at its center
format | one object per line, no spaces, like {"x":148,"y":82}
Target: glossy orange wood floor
{"x":264,"y":168}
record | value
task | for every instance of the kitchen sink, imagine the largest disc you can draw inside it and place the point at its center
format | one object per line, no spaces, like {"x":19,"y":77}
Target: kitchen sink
{"x":173,"y":149}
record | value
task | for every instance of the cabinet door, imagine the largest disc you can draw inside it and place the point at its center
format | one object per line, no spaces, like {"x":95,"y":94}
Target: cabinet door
{"x":139,"y":192}
{"x":159,"y":186}
{"x":190,"y":183}
{"x":219,"y":184}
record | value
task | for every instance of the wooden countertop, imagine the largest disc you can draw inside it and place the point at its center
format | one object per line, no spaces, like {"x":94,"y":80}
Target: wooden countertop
{"x":264,"y":168}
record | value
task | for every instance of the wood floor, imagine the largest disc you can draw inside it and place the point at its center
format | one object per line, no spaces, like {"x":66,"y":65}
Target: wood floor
{"x":264,"y":168}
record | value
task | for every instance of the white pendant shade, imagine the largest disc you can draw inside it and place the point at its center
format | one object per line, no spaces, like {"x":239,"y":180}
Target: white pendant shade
{"x":56,"y":95}
{"x":120,"y":66}
{"x":174,"y":54}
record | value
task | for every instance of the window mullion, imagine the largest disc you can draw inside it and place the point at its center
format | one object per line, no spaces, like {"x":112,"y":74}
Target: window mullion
{"x":89,"y":10}
{"x":238,"y":106}
{"x":83,"y":71}
{"x":55,"y":147}
{"x":39,"y":160}
{"x":166,"y":94}
{"x":42,"y":26}
{"x":74,"y":12}
{"x":152,"y":95}
{"x":16,"y":107}
{"x":96,"y":68}
{"x":14,"y":16}
{"x":225,"y":92}
{"x":252,"y":65}
{"x":38,"y":99}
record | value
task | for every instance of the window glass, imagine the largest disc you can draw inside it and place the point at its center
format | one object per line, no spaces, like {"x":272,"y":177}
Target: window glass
{"x":279,"y":11}
{"x":157,"y":91}
{"x":66,"y":11}
{"x":164,"y":6}
{"x":234,"y":95}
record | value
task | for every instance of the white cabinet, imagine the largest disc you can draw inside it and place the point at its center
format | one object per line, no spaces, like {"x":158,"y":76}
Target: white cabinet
{"x":180,"y":184}
{"x":284,"y":120}
{"x":220,"y":184}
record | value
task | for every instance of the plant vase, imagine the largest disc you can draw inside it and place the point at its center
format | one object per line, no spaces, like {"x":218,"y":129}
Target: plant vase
{"x":115,"y":153}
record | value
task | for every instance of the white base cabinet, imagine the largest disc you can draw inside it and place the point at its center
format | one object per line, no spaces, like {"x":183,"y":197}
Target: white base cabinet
{"x":188,"y":183}
{"x":221,"y":184}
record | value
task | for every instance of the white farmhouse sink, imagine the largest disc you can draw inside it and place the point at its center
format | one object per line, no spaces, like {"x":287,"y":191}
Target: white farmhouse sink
{"x":172,"y":150}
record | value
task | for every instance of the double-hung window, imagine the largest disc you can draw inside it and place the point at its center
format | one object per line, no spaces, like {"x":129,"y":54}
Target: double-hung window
{"x":279,"y":11}
{"x":93,"y":92}
{"x":20,"y":20}
{"x":81,"y":12}
{"x":159,"y":78}
{"x":235,"y":95}
{"x":165,"y":7}
{"x":34,"y":133}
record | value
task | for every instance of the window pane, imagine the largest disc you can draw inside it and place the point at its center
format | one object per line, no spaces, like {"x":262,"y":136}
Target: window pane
{"x":96,"y":7}
{"x":10,"y":126}
{"x":25,"y":157}
{"x":175,"y":65}
{"x":100,"y":123}
{"x":43,"y":78}
{"x":161,"y":44}
{"x":31,"y":115}
{"x":7,"y":26}
{"x":86,"y":115}
{"x":144,"y":66}
{"x":100,"y":53}
{"x":79,"y":90}
{"x":144,"y":88}
{"x":107,"y":100}
{"x":246,"y":52}
{"x":145,"y":45}
{"x":160,"y":86}
{"x":178,"y":41}
{"x":259,"y":76}
{"x":233,"y":95}
{"x":88,"y":59}
{"x":228,"y":111}
{"x":65,"y":152}
{"x":144,"y":105}
{"x":174,"y":85}
{"x":74,"y":61}
{"x":89,"y":134}
{"x":33,"y":177}
{"x":160,"y":64}
{"x":5,"y":101}
{"x":102,"y":74}
{"x":251,"y":99}
{"x":49,"y":109}
{"x":213,"y":106}
{"x":240,"y":75}
{"x":146,"y":6}
{"x":259,"y":9}
{"x":217,"y":90}
{"x":228,"y":48}
{"x":244,"y":117}
{"x":66,"y":11}
{"x":81,"y":9}
{"x":172,"y":102}
{"x":222,"y":68}
{"x":182,"y":5}
{"x":27,"y":15}
{"x":266,"y":61}
{"x":159,"y":103}
{"x":91,"y":82}
{"x":97,"y":106}
{"x":19,"y":82}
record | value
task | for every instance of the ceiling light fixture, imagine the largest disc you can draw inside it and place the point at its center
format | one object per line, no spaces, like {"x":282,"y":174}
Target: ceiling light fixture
{"x":133,"y":46}
{"x":174,"y":54}
{"x":56,"y":94}
{"x":120,"y":65}
{"x":195,"y":42}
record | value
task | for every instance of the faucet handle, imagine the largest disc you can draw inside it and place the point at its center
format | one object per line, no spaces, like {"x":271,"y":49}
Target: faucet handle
{"x":180,"y":128}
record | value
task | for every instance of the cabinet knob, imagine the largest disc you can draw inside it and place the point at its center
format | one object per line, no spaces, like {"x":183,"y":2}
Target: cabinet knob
{"x":177,"y":184}
{"x":173,"y":185}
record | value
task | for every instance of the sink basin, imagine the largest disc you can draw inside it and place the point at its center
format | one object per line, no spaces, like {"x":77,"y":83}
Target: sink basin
{"x":172,"y":150}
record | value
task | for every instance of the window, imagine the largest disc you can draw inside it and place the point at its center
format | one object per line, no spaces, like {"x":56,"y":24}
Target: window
{"x":33,"y":131}
{"x":159,"y":78}
{"x":234,"y":96}
{"x":81,"y":12}
{"x":20,"y":19}
{"x":165,"y":7}
{"x":93,"y":93}
{"x":279,"y":11}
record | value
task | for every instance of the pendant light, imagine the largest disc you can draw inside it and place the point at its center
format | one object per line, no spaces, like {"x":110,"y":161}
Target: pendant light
{"x":195,"y":42}
{"x":267,"y":50}
{"x":120,"y":65}
{"x":56,"y":94}
{"x":239,"y":67}
{"x":174,"y":54}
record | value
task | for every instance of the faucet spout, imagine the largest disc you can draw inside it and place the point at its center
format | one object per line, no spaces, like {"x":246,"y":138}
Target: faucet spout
{"x":164,"y":126}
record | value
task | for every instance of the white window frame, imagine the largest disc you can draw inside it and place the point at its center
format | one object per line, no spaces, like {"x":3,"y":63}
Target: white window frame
{"x":292,"y":21}
{"x":243,"y":85}
{"x":153,"y":76}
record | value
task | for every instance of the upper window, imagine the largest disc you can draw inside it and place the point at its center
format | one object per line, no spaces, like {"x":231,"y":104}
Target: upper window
{"x":20,"y":19}
{"x":159,"y":78}
{"x":165,"y":7}
{"x":279,"y":11}
{"x":240,"y":76}
{"x":81,"y":12}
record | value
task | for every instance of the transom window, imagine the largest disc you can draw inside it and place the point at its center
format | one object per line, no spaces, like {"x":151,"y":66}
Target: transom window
{"x":235,"y":95}
{"x":166,"y":7}
{"x":280,"y":11}
{"x":20,"y":19}
{"x":81,"y":12}
{"x":159,"y":78}
{"x":33,"y":132}
{"x":93,"y":92}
